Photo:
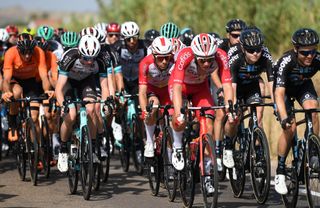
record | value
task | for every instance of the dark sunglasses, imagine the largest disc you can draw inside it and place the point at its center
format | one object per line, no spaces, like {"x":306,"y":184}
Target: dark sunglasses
{"x":253,"y":50}
{"x":134,"y":38}
{"x":307,"y":53}
{"x":160,"y":58}
{"x":111,"y":35}
{"x":204,"y":60}
{"x":88,"y":58}
{"x":235,"y":36}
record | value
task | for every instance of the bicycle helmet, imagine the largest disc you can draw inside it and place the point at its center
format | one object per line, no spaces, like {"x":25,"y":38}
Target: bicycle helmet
{"x":25,"y":43}
{"x":113,"y":27}
{"x":69,"y":39}
{"x":150,"y":35}
{"x":89,"y":46}
{"x":305,"y":37}
{"x":94,"y":32}
{"x":12,"y":30}
{"x":235,"y":25}
{"x":215,"y":35}
{"x":59,"y":31}
{"x":129,"y":29}
{"x":4,"y":35}
{"x":176,"y":45}
{"x":169,"y":30}
{"x":161,"y":46}
{"x":46,"y":32}
{"x":186,"y":36}
{"x":30,"y":31}
{"x":101,"y":26}
{"x":41,"y":42}
{"x":251,"y":38}
{"x":204,"y":45}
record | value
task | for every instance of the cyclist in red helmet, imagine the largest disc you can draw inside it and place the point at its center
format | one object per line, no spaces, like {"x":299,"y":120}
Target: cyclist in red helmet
{"x":113,"y":33}
{"x":13,"y":35}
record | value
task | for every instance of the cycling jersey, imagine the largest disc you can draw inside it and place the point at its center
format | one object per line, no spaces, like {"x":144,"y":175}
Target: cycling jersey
{"x":224,"y":44}
{"x":290,"y":74}
{"x":52,"y":65}
{"x":70,"y":65}
{"x":244,"y":73}
{"x":186,"y":70}
{"x":15,"y":66}
{"x":56,"y":48}
{"x":130,"y":61}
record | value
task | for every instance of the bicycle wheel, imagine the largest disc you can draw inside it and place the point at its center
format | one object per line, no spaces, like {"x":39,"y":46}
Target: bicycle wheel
{"x":137,"y":146}
{"x":312,"y":171}
{"x":97,"y":168}
{"x":105,"y":161}
{"x":46,"y":146}
{"x":237,"y":174}
{"x":86,"y":162}
{"x":209,"y":180}
{"x":33,"y":150}
{"x":169,"y":175}
{"x":187,"y":175}
{"x":73,"y":167}
{"x":125,"y":152}
{"x":21,"y":157}
{"x":260,"y":165}
{"x":290,"y":199}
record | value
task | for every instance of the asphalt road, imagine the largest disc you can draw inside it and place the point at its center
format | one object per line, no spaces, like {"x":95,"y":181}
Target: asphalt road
{"x":122,"y":190}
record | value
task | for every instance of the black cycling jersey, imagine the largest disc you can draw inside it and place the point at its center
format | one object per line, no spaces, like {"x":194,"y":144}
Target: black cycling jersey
{"x":130,"y":61}
{"x":289,"y":72}
{"x":71,"y":66}
{"x":244,"y":73}
{"x":224,"y":44}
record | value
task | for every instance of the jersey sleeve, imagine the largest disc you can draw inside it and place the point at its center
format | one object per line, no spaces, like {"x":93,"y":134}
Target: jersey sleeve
{"x":268,"y":65}
{"x":281,"y":70}
{"x":143,"y":71}
{"x":67,"y":61}
{"x":234,"y":66}
{"x":104,"y":62}
{"x":54,"y":67}
{"x":184,"y":58}
{"x":224,"y":70}
{"x":42,"y":66}
{"x":8,"y":61}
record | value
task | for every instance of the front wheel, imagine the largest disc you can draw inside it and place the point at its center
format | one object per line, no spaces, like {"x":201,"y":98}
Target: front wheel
{"x":312,"y":171}
{"x":260,"y":165}
{"x":33,"y":150}
{"x":292,"y":183}
{"x":137,"y":146}
{"x":46,"y":146}
{"x":86,"y":163}
{"x":73,"y":166}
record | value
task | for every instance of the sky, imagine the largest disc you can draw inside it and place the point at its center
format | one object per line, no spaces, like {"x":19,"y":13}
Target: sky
{"x":54,"y":5}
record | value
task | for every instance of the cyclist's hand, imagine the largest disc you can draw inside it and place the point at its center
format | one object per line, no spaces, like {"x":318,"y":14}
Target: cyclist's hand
{"x":106,"y":110}
{"x":50,"y":93}
{"x":286,"y":123}
{"x":7,"y":96}
{"x":144,"y":115}
{"x":179,"y":119}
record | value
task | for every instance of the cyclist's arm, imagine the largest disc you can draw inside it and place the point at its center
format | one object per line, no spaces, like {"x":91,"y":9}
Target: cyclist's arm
{"x":177,"y":98}
{"x":7,"y":71}
{"x":105,"y":87}
{"x":143,"y":96}
{"x":215,"y":79}
{"x":279,"y":98}
{"x":43,"y":72}
{"x":62,"y":81}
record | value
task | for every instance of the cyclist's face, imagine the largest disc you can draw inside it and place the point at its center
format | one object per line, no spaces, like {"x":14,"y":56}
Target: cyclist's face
{"x":13,"y":39}
{"x":253,"y":55}
{"x":306,"y":54}
{"x":113,"y":37}
{"x":132,"y":41}
{"x":234,"y":37}
{"x":162,"y":61}
{"x":205,"y":62}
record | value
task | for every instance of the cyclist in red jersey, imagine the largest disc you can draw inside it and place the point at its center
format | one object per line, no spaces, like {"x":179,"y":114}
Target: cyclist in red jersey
{"x":153,"y":84}
{"x":189,"y":78}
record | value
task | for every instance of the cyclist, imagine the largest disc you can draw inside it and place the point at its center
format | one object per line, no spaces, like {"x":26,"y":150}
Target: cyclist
{"x":13,"y":35}
{"x":189,"y":78}
{"x":69,"y":40}
{"x":186,"y":36}
{"x":293,"y":72}
{"x":47,"y":33}
{"x":177,"y":45}
{"x":78,"y":67}
{"x":58,"y":32}
{"x":113,"y":33}
{"x":149,"y":36}
{"x":131,"y":51}
{"x":233,"y":28}
{"x":22,"y":65}
{"x":102,"y":28}
{"x":30,"y":31}
{"x":153,"y":85}
{"x":170,"y":30}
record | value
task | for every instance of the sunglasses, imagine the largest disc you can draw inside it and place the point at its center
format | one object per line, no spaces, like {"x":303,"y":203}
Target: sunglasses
{"x":88,"y":58}
{"x":307,"y":53}
{"x":161,"y":58}
{"x":235,"y":36}
{"x":253,"y":50}
{"x":111,"y":35}
{"x":134,"y":38}
{"x":204,"y":60}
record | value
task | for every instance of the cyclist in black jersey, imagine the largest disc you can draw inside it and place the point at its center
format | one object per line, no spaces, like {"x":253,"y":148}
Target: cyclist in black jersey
{"x":293,"y":73}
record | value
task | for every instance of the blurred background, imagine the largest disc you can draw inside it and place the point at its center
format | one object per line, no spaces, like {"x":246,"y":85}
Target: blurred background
{"x":277,"y":20}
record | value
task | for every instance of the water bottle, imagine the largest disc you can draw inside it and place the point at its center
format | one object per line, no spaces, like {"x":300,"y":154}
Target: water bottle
{"x":73,"y":150}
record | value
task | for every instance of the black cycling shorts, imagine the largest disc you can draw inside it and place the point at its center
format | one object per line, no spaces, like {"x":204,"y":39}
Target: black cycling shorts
{"x":30,"y":87}
{"x":85,"y":88}
{"x":250,"y":93}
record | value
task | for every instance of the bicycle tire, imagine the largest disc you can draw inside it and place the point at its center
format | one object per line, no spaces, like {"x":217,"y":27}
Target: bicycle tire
{"x":137,"y":145}
{"x":210,"y":200}
{"x":21,"y":158}
{"x":105,"y":162}
{"x":312,"y":173}
{"x":125,"y":153}
{"x":73,"y":168}
{"x":187,"y":175}
{"x":169,"y":174}
{"x":46,"y":146}
{"x":86,"y":159}
{"x":33,"y":150}
{"x":237,"y":175}
{"x":290,"y":199}
{"x":260,"y":171}
{"x":97,"y":167}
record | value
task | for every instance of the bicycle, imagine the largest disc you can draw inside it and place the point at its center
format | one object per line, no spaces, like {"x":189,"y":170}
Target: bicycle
{"x":197,"y":147}
{"x":81,"y":152}
{"x":305,"y":167}
{"x":132,"y":131}
{"x":251,"y":154}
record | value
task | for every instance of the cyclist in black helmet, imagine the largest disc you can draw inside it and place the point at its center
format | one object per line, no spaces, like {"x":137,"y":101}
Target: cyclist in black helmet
{"x":149,"y":36}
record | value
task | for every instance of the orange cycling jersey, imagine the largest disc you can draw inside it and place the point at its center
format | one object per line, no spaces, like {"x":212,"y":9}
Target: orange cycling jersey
{"x":52,"y":65}
{"x":15,"y":67}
